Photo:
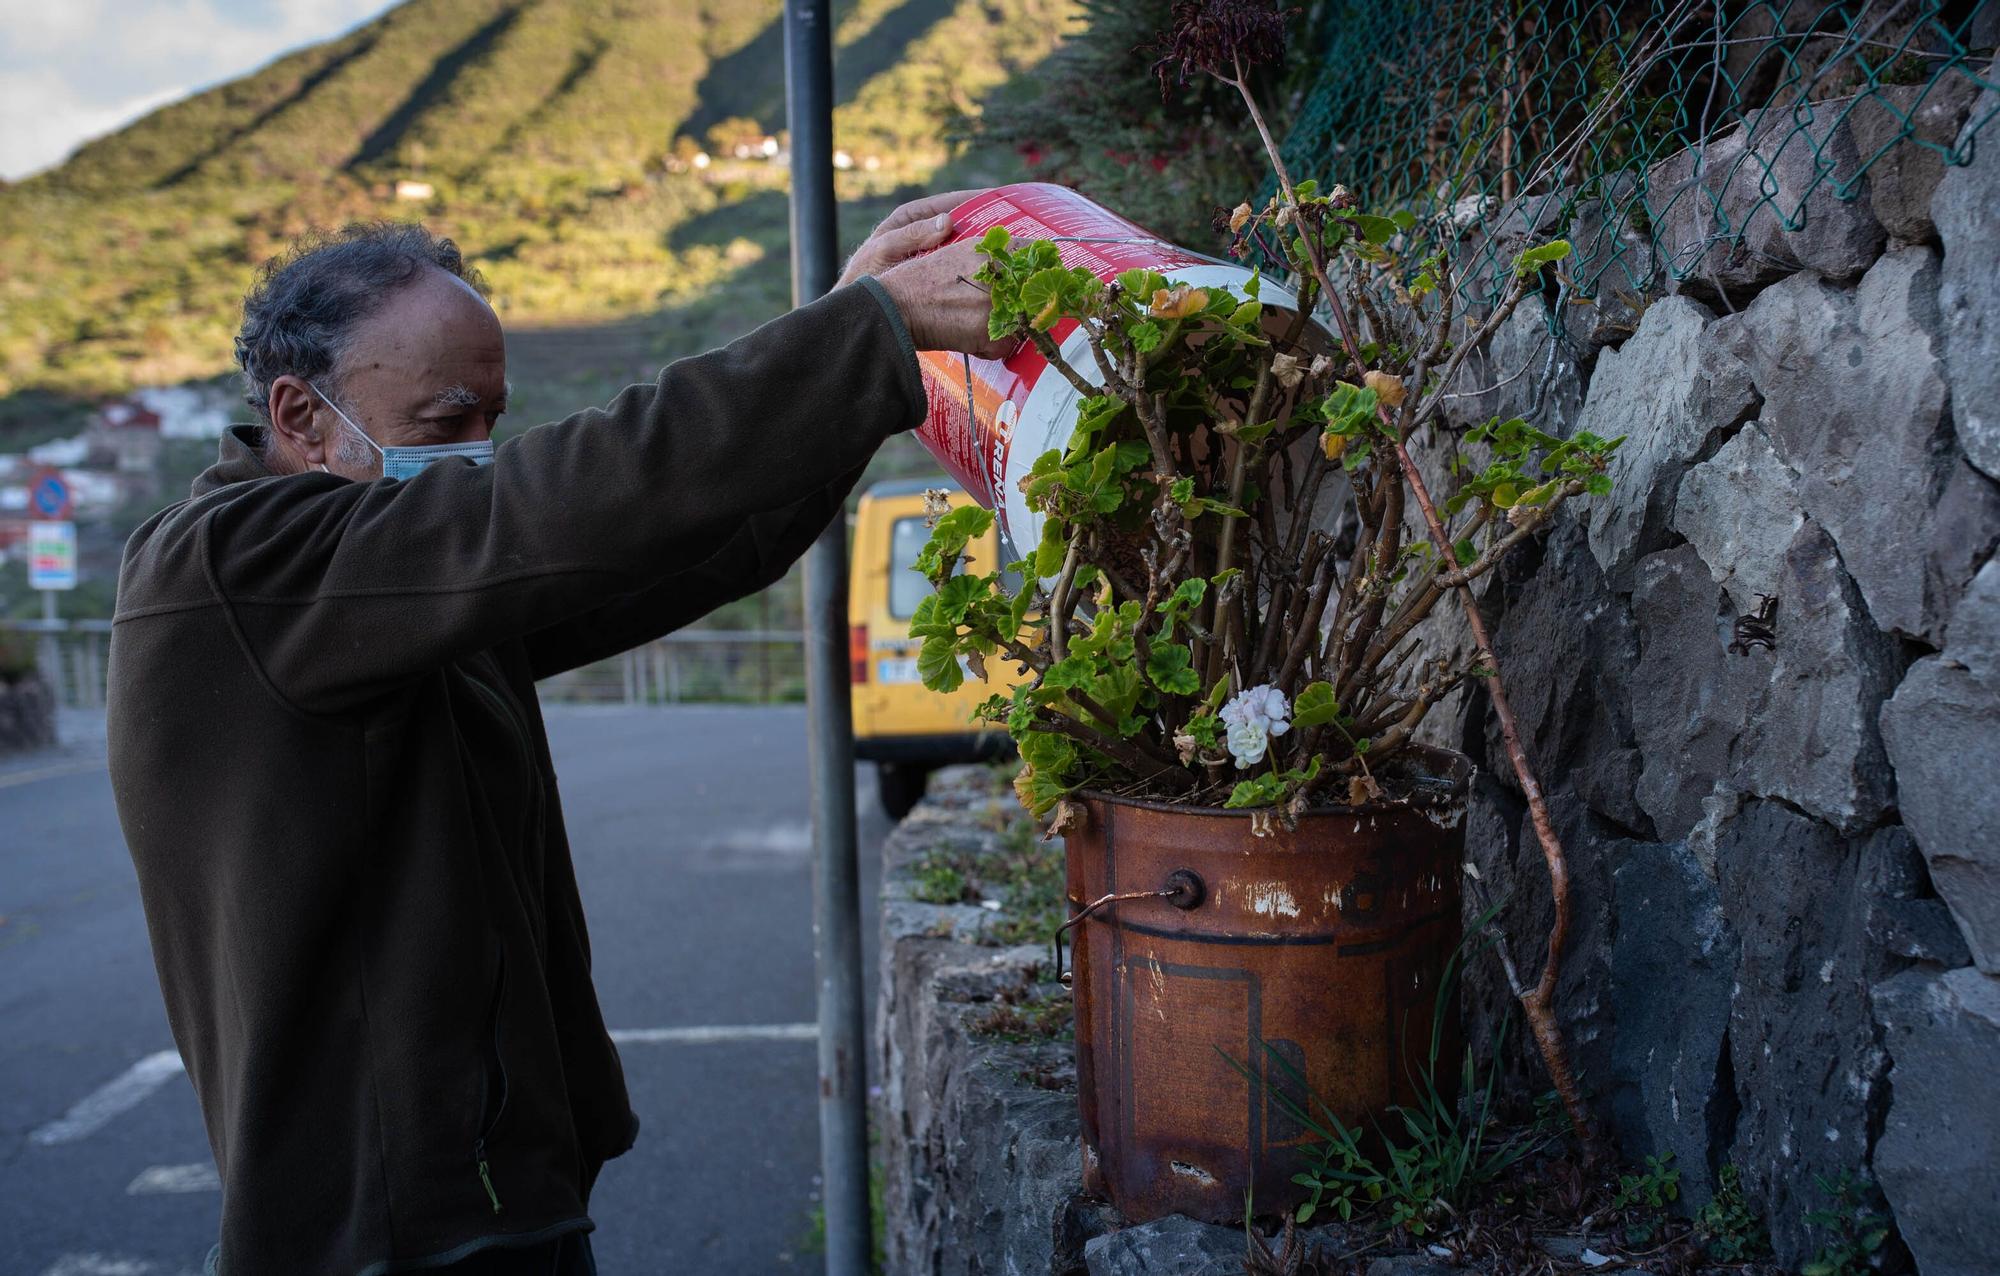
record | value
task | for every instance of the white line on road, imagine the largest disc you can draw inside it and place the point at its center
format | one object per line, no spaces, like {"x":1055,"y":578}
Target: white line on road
{"x":11,"y":778}
{"x":97,"y":1265}
{"x":710,"y":1034}
{"x":136,"y":1084}
{"x":165,"y":1180}
{"x":127,"y":1090}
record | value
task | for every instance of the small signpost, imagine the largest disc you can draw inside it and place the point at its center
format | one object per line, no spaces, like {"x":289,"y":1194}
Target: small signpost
{"x":51,"y":559}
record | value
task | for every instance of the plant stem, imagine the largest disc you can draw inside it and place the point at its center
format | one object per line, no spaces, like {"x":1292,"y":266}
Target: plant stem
{"x":1537,"y":1003}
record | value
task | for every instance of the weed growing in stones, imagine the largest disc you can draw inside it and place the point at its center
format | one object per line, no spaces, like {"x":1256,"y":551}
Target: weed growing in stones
{"x":1643,"y":1197}
{"x":940,"y":880}
{"x":1728,"y":1227}
{"x":1859,"y":1229}
{"x":1027,"y":1014}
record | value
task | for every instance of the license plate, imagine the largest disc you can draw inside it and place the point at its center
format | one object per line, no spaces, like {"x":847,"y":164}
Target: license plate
{"x":895,"y":671}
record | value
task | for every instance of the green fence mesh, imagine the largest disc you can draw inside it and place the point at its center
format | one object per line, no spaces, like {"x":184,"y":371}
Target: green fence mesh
{"x":1668,"y":140}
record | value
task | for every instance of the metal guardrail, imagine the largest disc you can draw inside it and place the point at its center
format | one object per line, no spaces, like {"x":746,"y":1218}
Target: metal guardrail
{"x":755,"y":666}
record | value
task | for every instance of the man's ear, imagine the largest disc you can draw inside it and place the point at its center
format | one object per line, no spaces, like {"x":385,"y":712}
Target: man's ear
{"x":295,"y":417}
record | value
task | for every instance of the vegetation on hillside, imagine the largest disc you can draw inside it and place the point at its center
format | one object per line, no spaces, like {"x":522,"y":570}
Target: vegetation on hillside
{"x":545,"y":130}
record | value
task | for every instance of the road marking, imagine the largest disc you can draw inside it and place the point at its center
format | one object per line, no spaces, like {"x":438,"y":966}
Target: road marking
{"x":11,"y":778}
{"x":136,"y":1084}
{"x":121,"y":1094}
{"x":97,"y":1265}
{"x":164,"y":1180}
{"x":710,"y":1034}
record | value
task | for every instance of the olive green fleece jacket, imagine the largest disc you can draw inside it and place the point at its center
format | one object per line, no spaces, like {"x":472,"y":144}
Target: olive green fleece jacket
{"x":332,"y":775}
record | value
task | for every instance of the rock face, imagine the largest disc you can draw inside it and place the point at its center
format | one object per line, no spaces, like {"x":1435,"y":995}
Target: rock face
{"x":1969,"y":291}
{"x":1784,"y":841}
{"x":1673,"y":397}
{"x":1939,"y":1156}
{"x":1943,"y":734}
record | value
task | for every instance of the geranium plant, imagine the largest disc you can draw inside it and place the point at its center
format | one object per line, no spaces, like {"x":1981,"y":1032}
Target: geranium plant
{"x":1239,"y":548}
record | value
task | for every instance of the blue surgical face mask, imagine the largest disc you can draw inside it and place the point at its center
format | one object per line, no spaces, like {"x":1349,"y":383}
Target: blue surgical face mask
{"x":408,"y":462}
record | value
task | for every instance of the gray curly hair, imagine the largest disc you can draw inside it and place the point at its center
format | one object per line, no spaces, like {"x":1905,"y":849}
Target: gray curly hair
{"x":303,"y":310}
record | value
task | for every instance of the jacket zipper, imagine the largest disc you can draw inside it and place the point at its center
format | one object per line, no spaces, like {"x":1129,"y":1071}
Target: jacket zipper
{"x":499,"y":1066}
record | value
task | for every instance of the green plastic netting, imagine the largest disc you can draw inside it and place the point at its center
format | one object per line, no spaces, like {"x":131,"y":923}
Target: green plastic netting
{"x":1668,"y":140}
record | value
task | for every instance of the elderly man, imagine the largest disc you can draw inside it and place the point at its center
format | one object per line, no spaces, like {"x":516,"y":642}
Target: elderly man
{"x":327,"y":753}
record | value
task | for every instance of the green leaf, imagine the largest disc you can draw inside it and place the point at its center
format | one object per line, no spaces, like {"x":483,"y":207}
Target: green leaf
{"x":994,"y":240}
{"x":1403,"y":218}
{"x":1181,"y":491}
{"x":1054,"y":548}
{"x":1141,"y":284}
{"x":1042,"y":297}
{"x":1465,"y":552}
{"x":1376,"y":230}
{"x":1145,"y":336}
{"x":1072,"y":673}
{"x":1170,"y":670}
{"x":956,"y":595}
{"x":1315,"y":705}
{"x":1247,"y":315}
{"x":937,"y":664}
{"x":1533,"y":259}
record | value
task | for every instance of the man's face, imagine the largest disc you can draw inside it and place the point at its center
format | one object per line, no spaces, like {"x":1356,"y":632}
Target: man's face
{"x":429,"y":367}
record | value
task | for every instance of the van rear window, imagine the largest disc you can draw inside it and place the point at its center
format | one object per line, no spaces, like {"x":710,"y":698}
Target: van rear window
{"x":906,"y":588}
{"x":907,"y":537}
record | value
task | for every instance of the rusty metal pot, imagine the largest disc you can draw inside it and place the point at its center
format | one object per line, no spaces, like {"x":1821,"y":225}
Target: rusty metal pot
{"x":1328,"y":944}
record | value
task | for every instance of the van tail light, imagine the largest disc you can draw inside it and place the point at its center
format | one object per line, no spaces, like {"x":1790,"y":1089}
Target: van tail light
{"x":857,"y":654}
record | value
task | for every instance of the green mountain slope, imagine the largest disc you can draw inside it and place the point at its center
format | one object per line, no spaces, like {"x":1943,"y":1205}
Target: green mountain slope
{"x":548,"y":131}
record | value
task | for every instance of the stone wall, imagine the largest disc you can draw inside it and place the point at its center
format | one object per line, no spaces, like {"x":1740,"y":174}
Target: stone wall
{"x":27,"y":714}
{"x":1786,"y":859}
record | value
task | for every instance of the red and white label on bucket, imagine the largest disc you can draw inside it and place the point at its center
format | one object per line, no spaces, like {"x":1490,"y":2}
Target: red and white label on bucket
{"x":988,"y":419}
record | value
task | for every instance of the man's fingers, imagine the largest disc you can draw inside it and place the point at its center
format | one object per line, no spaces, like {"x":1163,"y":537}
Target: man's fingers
{"x":929,"y":206}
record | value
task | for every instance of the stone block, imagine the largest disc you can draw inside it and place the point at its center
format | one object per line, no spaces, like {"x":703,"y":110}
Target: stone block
{"x":1170,"y":1246}
{"x":1942,"y":730}
{"x":1938,"y":1158}
{"x":1672,"y":963}
{"x":1966,"y":208}
{"x":1854,"y":399}
{"x":1740,"y":511}
{"x":1807,"y":1072}
{"x":1795,"y":723}
{"x":1673,"y":396}
{"x":1762,"y":201}
{"x":1901,"y":131}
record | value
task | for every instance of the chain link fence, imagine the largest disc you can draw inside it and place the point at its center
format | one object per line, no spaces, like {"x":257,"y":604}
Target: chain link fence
{"x":1675,"y":143}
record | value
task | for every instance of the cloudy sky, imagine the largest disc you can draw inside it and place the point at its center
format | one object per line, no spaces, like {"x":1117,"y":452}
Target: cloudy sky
{"x":71,"y":70}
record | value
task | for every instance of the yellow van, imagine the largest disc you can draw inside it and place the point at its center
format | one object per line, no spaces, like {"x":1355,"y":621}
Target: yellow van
{"x":906,"y":730}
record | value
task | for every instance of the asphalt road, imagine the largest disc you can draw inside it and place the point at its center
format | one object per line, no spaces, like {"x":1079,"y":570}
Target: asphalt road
{"x":689,"y":826}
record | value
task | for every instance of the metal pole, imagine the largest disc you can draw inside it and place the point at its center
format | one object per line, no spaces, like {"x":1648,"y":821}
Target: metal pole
{"x":51,"y":657}
{"x":843,"y":1111}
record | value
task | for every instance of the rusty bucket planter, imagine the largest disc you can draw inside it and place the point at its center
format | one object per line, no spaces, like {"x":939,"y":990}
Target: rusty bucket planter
{"x":1325,"y":945}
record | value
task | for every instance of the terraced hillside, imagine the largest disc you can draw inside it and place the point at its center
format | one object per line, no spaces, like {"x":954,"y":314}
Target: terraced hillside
{"x":554,"y":136}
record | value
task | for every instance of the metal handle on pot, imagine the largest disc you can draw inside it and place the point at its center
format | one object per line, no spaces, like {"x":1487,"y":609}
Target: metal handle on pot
{"x":1184,"y":890}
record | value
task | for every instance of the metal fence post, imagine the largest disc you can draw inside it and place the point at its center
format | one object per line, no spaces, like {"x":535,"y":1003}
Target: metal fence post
{"x":843,"y":1113}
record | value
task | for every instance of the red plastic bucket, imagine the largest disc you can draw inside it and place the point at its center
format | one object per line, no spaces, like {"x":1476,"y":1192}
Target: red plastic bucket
{"x":990,"y":418}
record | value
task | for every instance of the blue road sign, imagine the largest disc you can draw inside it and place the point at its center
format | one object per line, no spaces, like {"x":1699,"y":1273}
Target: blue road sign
{"x":50,"y":496}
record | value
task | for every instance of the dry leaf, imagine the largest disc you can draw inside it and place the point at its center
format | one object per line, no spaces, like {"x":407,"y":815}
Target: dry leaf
{"x":1286,"y":216}
{"x":1321,"y":365}
{"x":1289,"y":370}
{"x":937,"y":504}
{"x":1362,"y":789}
{"x":1187,"y":746}
{"x":1262,"y":824}
{"x":1340,"y":196}
{"x":1388,"y":389}
{"x":1333,"y":445}
{"x":977,"y":664}
{"x":1178,"y":302}
{"x":1068,"y":815}
{"x":1240,"y":216}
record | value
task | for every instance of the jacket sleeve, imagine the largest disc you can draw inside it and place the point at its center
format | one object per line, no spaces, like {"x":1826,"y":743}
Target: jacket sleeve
{"x":339,"y":591}
{"x":756,"y":557}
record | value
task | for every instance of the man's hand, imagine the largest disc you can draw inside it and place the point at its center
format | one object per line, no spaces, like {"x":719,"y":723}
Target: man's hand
{"x":942,"y":307}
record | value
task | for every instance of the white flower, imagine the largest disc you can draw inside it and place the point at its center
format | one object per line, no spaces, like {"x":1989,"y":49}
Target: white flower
{"x":1254,"y":716}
